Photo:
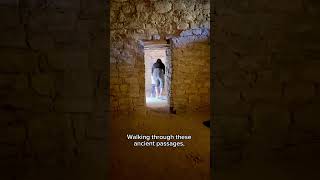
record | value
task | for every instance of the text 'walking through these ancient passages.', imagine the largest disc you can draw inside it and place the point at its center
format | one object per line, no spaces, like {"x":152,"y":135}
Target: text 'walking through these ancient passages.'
{"x":141,"y":140}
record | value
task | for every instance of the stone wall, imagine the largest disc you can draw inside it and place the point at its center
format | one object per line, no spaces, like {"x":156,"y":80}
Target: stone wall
{"x":266,"y":85}
{"x":53,"y":63}
{"x":136,"y":20}
{"x":191,"y":71}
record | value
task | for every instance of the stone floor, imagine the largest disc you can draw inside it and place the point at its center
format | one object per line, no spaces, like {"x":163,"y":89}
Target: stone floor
{"x":156,"y":102}
{"x":151,"y":163}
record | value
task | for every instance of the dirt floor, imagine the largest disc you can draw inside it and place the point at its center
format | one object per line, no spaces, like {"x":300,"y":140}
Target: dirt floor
{"x":152,"y":163}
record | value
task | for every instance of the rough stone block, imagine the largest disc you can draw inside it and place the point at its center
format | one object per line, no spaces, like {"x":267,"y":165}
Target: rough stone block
{"x":115,"y":81}
{"x":235,"y":129}
{"x":75,"y":84}
{"x":78,"y":104}
{"x":10,"y":82}
{"x":231,"y":108}
{"x":306,"y":118}
{"x":163,"y":6}
{"x":27,"y":100}
{"x":179,"y":92}
{"x":48,"y":125}
{"x":204,"y":90}
{"x":18,"y":61}
{"x":124,"y":101}
{"x":96,"y":128}
{"x":299,"y":92}
{"x":266,"y":91}
{"x":43,"y":84}
{"x":179,"y":5}
{"x":97,"y":60}
{"x":62,"y":60}
{"x":205,"y":100}
{"x":194,"y":99}
{"x":197,"y":31}
{"x":13,"y":38}
{"x":124,"y":88}
{"x":70,"y":5}
{"x":61,"y":21}
{"x":128,"y":8}
{"x":10,"y":2}
{"x":134,"y":92}
{"x":225,"y":95}
{"x":309,"y":72}
{"x":186,"y":33}
{"x":181,"y":101}
{"x":9,"y":17}
{"x":41,"y":41}
{"x":13,"y":135}
{"x":183,"y":26}
{"x":271,"y":123}
{"x":114,"y":90}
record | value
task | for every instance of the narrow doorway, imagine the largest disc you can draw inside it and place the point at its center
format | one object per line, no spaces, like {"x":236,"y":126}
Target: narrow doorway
{"x":154,"y":51}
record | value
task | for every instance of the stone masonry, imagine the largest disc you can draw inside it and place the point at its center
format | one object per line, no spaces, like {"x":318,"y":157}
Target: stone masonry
{"x":53,"y":103}
{"x":266,"y":87}
{"x":132,"y":21}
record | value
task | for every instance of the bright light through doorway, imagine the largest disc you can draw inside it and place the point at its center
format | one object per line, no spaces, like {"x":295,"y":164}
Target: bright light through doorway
{"x":152,"y":52}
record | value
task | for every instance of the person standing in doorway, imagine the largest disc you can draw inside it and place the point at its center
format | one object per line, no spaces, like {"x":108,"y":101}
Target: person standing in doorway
{"x":157,"y":72}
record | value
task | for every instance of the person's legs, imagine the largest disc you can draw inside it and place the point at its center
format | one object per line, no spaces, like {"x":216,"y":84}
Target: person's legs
{"x":157,"y":92}
{"x":161,"y":80}
{"x":157,"y":88}
{"x":153,"y":90}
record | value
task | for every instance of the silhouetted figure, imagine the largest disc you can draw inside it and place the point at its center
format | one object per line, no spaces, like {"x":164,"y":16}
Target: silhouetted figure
{"x":157,"y":72}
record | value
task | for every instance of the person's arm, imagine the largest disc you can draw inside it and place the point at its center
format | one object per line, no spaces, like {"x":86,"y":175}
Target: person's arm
{"x":164,"y":69}
{"x":152,"y":70}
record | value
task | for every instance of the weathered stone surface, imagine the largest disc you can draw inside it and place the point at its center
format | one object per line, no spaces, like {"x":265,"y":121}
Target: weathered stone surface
{"x":75,"y":84}
{"x":10,"y":2}
{"x":13,"y":37}
{"x":43,"y":84}
{"x":41,"y":41}
{"x":183,"y":26}
{"x":13,"y":135}
{"x":299,"y":92}
{"x":74,"y":105}
{"x":18,"y":61}
{"x":270,"y":124}
{"x":141,"y":7}
{"x":9,"y":17}
{"x":44,"y":104}
{"x":163,"y":6}
{"x":306,"y":118}
{"x":61,"y":60}
{"x":236,"y":129}
{"x":96,"y":128}
{"x":194,"y":86}
{"x":27,"y":100}
{"x":179,"y":5}
{"x":11,"y":82}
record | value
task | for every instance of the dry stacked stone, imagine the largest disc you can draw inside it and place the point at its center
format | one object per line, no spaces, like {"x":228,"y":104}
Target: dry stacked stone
{"x":53,"y":99}
{"x":188,"y":21}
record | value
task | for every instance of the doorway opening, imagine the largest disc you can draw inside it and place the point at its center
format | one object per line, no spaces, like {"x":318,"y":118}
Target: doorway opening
{"x":154,"y":50}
